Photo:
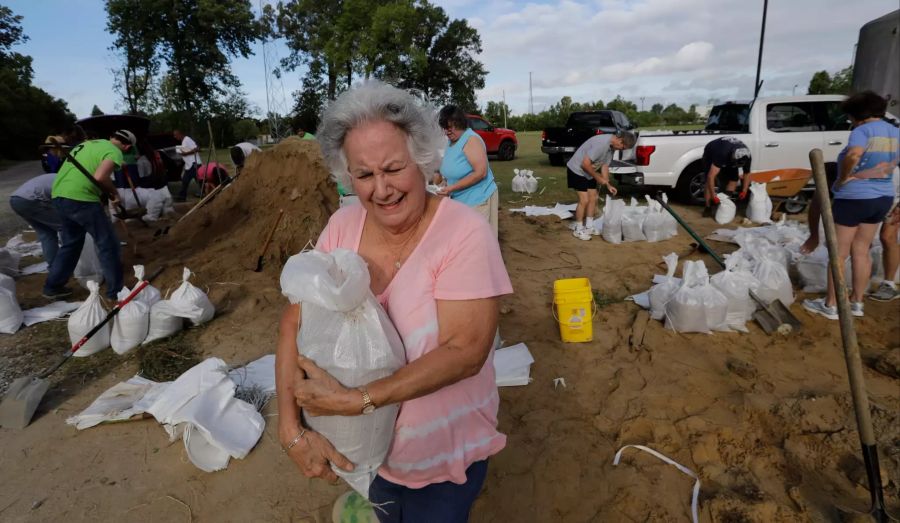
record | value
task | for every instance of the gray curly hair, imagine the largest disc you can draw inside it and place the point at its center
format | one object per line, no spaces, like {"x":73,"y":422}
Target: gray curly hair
{"x":372,"y":101}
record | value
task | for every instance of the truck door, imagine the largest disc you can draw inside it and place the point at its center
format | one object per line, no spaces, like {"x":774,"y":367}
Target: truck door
{"x":788,"y":132}
{"x":837,"y":129}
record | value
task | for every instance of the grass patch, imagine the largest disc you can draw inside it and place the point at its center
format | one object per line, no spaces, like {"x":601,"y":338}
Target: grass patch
{"x":166,"y":359}
{"x":552,"y":184}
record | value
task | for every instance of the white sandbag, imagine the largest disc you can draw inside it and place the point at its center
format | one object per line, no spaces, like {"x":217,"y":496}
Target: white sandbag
{"x":696,"y":306}
{"x":11,"y":316}
{"x":347,"y":333}
{"x":654,"y":223}
{"x":7,"y":282}
{"x":150,"y":294}
{"x":531,"y":183}
{"x":9,"y":262}
{"x":164,"y":321}
{"x":774,"y":282}
{"x":88,"y":267}
{"x":518,"y":181}
{"x":85,"y":318}
{"x":670,"y":226}
{"x":760,"y":208}
{"x":155,"y":205}
{"x":813,"y":270}
{"x":612,"y":220}
{"x":130,"y":326}
{"x":661,"y":293}
{"x":726,"y":211}
{"x":736,"y":285}
{"x":191,"y":302}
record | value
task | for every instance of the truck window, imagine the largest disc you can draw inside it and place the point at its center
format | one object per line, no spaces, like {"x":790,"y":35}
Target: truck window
{"x":591,"y":120}
{"x":798,"y":117}
{"x":729,"y":118}
{"x":833,"y":118}
{"x":477,"y":124}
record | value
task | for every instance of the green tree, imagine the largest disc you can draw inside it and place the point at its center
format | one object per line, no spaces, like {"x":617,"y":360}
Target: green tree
{"x":820,"y":83}
{"x":27,"y":113}
{"x":842,"y":81}
{"x":96,"y":111}
{"x":136,"y":45}
{"x":245,"y":129}
{"x":195,"y":39}
{"x":657,"y":108}
{"x":310,"y":99}
{"x":497,"y":113}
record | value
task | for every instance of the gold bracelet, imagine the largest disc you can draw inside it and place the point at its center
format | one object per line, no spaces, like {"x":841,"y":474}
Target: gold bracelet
{"x":293,"y":441}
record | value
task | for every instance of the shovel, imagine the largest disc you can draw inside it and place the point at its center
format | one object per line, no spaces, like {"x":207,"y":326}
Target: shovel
{"x":851,"y":349}
{"x":772,"y":317}
{"x":262,"y":253}
{"x":25,"y":394}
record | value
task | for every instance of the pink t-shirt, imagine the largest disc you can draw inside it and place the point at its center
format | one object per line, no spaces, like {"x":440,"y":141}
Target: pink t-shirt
{"x":439,"y":435}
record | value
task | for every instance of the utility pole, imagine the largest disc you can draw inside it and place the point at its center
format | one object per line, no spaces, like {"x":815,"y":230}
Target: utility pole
{"x":642,"y":104}
{"x":530,"y":95}
{"x":504,"y":108}
{"x":762,"y":36}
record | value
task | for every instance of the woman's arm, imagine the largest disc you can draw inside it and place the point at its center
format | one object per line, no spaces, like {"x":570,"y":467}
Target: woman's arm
{"x":311,"y":452}
{"x":477,"y":157}
{"x":850,"y":161}
{"x":466,"y":335}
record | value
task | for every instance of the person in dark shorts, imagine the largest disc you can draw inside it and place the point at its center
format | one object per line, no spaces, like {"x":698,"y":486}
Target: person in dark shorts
{"x":863,"y":195}
{"x":583,"y":178}
{"x":722,"y":158}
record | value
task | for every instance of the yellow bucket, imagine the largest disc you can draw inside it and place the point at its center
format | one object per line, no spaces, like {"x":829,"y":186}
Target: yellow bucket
{"x":573,"y":309}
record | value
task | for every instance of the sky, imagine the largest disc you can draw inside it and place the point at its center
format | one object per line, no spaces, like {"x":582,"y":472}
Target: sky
{"x":664,"y":51}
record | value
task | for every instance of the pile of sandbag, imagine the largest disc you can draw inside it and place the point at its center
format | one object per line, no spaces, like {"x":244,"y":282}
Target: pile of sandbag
{"x":524,"y":181}
{"x":697,"y":306}
{"x":187,"y":302}
{"x":10,"y":313}
{"x":632,"y":223}
{"x":346,"y":332}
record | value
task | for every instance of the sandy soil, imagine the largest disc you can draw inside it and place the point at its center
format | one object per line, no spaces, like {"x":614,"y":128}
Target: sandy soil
{"x":766,"y":422}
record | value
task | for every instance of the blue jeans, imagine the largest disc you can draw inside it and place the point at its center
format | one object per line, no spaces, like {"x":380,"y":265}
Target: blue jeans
{"x":78,"y":218}
{"x":186,"y":177}
{"x":444,"y":502}
{"x":43,"y":219}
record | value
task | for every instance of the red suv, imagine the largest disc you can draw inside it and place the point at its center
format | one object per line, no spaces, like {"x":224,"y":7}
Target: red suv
{"x":497,"y":140}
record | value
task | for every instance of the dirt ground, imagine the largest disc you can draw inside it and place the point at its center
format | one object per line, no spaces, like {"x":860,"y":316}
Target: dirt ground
{"x":766,"y":422}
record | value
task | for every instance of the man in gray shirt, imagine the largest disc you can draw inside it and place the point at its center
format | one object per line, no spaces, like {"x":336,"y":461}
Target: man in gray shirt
{"x":582,"y":175}
{"x":32,"y":202}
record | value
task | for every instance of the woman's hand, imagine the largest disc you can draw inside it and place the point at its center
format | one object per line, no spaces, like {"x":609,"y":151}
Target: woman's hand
{"x":313,"y":454}
{"x":444,"y":191}
{"x":319,"y":394}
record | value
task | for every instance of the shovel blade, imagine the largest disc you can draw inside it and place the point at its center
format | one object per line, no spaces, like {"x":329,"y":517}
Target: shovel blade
{"x":21,"y":400}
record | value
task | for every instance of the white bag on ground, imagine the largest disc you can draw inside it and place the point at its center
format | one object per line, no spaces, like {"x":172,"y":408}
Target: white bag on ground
{"x":88,"y":267}
{"x":86,"y":318}
{"x":726,"y":211}
{"x":633,"y":222}
{"x":164,"y":321}
{"x":612,"y":220}
{"x":696,"y":306}
{"x":774,"y":282}
{"x":130,"y":326}
{"x":760,"y":208}
{"x":670,"y":225}
{"x":531,"y":183}
{"x":192,"y":303}
{"x":518,"y":181}
{"x":11,"y":316}
{"x":661,"y":293}
{"x":9,"y":262}
{"x":347,"y":333}
{"x":736,"y":285}
{"x":150,"y":294}
{"x":654,"y":223}
{"x":813,"y":270}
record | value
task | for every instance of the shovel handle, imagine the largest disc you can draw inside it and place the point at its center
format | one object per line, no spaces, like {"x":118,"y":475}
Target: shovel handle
{"x":690,"y":231}
{"x":271,"y":234}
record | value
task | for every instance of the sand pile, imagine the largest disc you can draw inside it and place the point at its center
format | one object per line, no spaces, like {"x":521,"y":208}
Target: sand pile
{"x":225,"y":237}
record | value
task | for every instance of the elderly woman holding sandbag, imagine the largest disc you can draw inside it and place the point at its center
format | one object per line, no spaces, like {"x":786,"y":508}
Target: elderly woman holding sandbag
{"x":435,"y":267}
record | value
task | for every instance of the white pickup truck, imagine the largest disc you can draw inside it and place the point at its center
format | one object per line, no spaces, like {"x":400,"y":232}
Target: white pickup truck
{"x":779,"y":132}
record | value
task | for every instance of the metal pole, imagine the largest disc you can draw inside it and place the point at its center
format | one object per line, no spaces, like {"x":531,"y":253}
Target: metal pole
{"x":530,"y":95}
{"x":762,"y":37}
{"x":504,"y":108}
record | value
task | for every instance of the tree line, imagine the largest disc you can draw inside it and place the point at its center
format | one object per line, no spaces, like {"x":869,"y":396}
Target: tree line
{"x":557,"y":114}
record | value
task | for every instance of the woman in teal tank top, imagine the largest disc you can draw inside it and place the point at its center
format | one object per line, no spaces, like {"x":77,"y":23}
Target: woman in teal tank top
{"x":465,"y":166}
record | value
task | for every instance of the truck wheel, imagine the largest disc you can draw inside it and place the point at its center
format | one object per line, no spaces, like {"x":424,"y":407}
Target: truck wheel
{"x":557,"y":160}
{"x":691,"y":183}
{"x":507,"y":151}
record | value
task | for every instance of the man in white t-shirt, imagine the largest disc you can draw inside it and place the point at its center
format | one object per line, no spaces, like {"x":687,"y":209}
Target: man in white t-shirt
{"x":190,"y":153}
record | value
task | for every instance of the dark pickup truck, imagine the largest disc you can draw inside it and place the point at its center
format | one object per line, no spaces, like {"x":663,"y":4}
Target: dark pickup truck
{"x":561,"y":142}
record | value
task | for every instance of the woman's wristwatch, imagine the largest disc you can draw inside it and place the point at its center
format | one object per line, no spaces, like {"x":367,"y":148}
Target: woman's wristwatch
{"x":368,"y":407}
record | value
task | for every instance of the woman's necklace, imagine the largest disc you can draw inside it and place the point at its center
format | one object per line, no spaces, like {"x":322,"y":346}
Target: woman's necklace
{"x":400,"y":252}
